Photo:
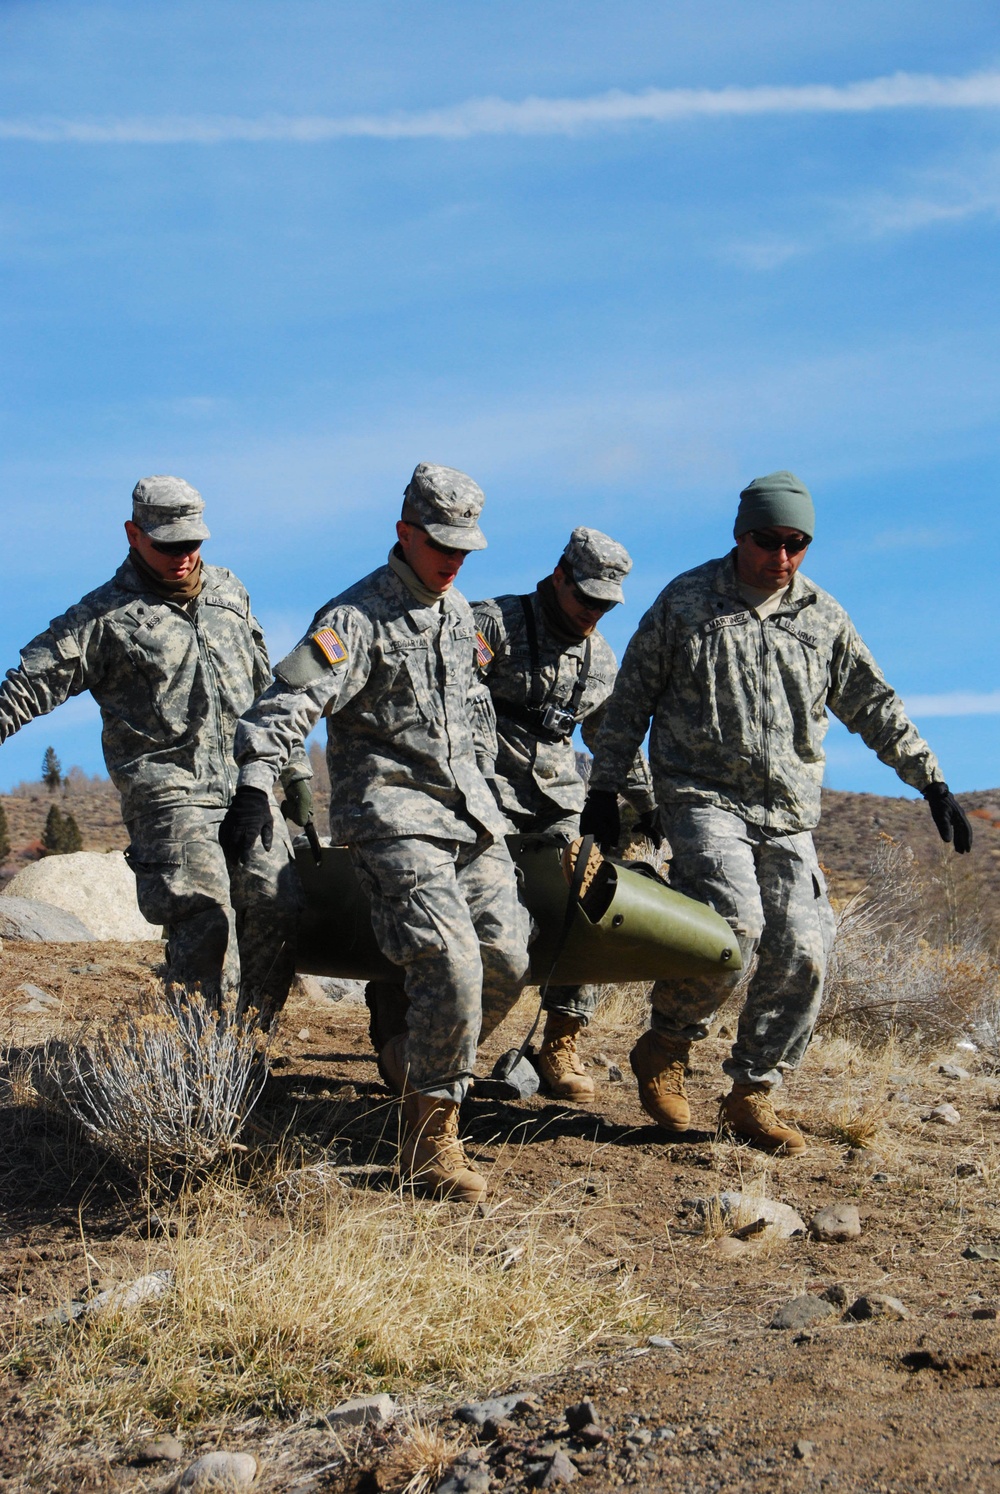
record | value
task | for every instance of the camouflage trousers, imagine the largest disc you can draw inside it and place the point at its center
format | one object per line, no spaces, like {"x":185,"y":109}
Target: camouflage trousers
{"x":580,"y":1002}
{"x":771,"y":890}
{"x":447,"y":912}
{"x":225,"y":931}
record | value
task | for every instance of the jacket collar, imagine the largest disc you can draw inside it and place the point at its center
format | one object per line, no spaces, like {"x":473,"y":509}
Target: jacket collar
{"x":801,"y":591}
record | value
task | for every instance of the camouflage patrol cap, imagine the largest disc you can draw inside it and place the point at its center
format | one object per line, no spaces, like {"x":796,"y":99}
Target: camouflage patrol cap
{"x":599,"y":564}
{"x":447,"y":504}
{"x":168,"y":509}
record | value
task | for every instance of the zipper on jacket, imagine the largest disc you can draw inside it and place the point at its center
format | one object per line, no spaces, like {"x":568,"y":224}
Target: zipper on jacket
{"x":206,"y":660}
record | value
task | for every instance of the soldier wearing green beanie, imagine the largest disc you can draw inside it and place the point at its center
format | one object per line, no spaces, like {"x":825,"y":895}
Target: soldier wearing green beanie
{"x":737,"y":664}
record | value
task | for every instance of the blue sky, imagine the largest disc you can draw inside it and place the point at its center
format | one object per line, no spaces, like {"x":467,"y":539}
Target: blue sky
{"x":614,"y":260}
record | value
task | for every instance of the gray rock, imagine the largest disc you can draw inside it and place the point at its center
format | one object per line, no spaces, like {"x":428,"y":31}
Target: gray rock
{"x":944,"y":1115}
{"x":218,"y":1471}
{"x":835,"y":1224}
{"x":641,"y":1437}
{"x":469,"y":1481}
{"x":582,"y":1414}
{"x":802,"y":1312}
{"x":880,"y":1177}
{"x":658,"y":1341}
{"x":558,"y":1470}
{"x":160,"y":1450}
{"x":467,"y":1475}
{"x":37,"y":1001}
{"x":953,"y":1071}
{"x":96,"y":887}
{"x":803,"y":1449}
{"x":835,"y":1294}
{"x":319,"y":989}
{"x":876,"y":1305}
{"x":615,"y":1075}
{"x":116,"y":1298}
{"x":497,"y":1408}
{"x":376,"y":1410}
{"x":743,"y":1209}
{"x":39,"y":923}
{"x":981,"y":1253}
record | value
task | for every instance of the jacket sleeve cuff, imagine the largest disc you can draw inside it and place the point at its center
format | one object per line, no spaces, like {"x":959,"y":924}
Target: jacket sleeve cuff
{"x":257,"y":775}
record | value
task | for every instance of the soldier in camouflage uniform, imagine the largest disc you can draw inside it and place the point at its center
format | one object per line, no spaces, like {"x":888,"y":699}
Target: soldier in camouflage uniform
{"x":547,"y":669}
{"x":737,"y":663}
{"x":391,"y":663}
{"x":173,"y":655}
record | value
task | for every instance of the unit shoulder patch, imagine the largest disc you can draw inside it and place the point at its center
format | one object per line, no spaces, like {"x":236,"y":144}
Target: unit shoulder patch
{"x":484,"y":654}
{"x":330,"y":646}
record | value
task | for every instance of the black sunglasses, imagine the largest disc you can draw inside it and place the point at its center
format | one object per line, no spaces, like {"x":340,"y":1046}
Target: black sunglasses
{"x":766,"y":539}
{"x":175,"y":547}
{"x":592,"y":604}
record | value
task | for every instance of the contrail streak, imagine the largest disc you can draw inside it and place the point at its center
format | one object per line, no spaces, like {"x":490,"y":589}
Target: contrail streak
{"x":531,"y":116}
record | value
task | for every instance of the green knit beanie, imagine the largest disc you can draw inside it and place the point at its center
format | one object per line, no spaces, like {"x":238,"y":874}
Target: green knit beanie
{"x":779,"y":498}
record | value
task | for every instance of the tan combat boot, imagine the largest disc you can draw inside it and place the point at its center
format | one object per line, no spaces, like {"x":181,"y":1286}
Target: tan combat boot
{"x":432,"y":1155}
{"x":659,"y":1062}
{"x":559,"y":1063}
{"x":747,"y":1111}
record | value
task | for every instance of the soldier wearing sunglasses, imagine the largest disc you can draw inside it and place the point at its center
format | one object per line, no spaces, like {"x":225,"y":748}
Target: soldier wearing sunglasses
{"x":173,"y":655}
{"x":737,"y":664}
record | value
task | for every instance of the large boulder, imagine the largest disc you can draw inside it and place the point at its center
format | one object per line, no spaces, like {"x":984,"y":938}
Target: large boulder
{"x":98,"y":888}
{"x":39,"y":923}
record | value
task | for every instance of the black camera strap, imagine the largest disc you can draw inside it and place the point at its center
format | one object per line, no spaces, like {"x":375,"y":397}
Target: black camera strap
{"x":535,"y":700}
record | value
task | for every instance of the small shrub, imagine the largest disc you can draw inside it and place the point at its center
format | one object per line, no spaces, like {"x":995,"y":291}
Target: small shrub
{"x":61,"y":835}
{"x":4,"y":835}
{"x":884,"y":977}
{"x":164,"y":1090}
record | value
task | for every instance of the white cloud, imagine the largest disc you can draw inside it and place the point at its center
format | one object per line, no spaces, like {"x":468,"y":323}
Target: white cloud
{"x":955,"y":703}
{"x":531,"y":116}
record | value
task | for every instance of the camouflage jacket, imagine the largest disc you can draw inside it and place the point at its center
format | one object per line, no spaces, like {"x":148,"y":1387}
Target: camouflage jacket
{"x":393,"y":677}
{"x":739,"y":703}
{"x":171,"y":681}
{"x":536,"y":775}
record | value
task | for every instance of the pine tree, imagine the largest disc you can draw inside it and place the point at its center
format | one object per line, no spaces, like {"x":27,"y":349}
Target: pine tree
{"x":61,"y":835}
{"x":72,"y":840}
{"x":51,"y":770}
{"x":4,"y":835}
{"x":52,"y":834}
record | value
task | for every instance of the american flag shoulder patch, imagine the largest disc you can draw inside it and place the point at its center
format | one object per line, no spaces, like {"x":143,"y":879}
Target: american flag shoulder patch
{"x":330,"y":646}
{"x":483,"y":651}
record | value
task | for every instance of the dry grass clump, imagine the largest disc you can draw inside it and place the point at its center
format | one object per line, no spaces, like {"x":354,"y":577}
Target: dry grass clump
{"x":165,"y":1089}
{"x":277,"y":1314}
{"x":419,"y":1457}
{"x":883,"y":975}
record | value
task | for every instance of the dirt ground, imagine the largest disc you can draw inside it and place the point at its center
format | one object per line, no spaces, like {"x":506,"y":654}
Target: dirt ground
{"x":895,"y":1405}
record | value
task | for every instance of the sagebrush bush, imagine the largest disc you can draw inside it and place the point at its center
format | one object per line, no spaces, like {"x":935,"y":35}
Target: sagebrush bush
{"x":884,"y":976}
{"x":164,"y":1090}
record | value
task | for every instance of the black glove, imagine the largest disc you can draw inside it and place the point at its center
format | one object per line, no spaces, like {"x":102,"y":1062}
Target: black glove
{"x":949,"y":817}
{"x":297,"y":804}
{"x":648,"y":825}
{"x":601,"y":818}
{"x":248,"y":816}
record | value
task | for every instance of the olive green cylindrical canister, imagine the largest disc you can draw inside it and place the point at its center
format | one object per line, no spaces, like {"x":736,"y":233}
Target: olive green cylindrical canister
{"x":646,"y":932}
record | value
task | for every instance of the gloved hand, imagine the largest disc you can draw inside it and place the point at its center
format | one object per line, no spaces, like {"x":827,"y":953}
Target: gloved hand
{"x":648,"y":824}
{"x":601,"y":818}
{"x":949,"y":817}
{"x":297,"y":804}
{"x":248,"y":816}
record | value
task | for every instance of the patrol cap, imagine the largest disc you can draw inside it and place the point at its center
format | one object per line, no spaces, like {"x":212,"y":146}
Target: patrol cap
{"x":447,"y":504}
{"x":599,"y":564}
{"x":168,"y":509}
{"x":779,"y":498}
